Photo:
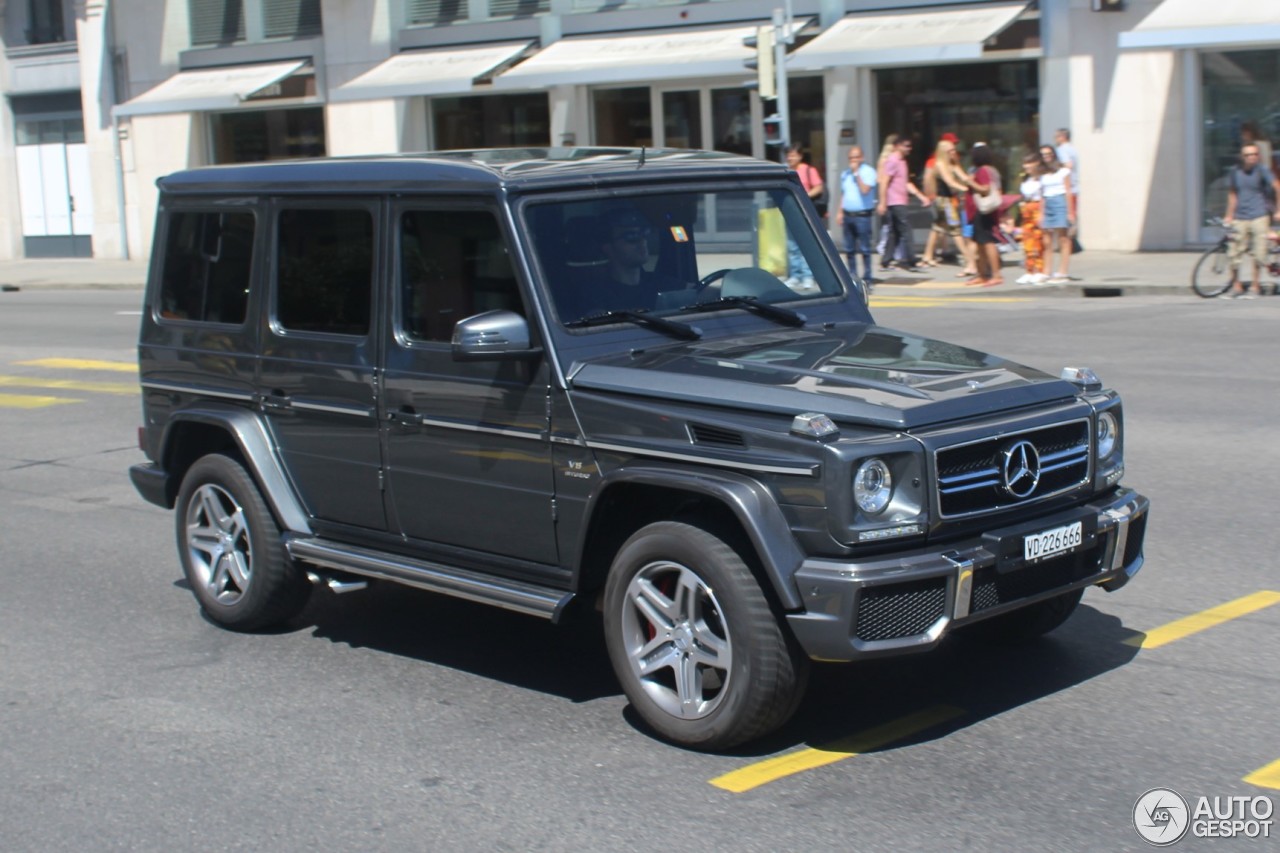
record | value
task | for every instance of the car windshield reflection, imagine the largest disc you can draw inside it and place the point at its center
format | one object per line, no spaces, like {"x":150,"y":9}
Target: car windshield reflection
{"x":665,"y":253}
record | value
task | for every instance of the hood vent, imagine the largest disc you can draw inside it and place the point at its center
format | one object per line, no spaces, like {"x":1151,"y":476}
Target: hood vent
{"x":718,"y":436}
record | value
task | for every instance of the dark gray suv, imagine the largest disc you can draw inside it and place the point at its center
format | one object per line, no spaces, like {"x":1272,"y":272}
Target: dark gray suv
{"x":639,"y":381}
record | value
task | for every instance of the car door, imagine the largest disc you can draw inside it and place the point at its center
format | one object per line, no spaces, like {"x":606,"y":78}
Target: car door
{"x":467,"y":445}
{"x":318,"y":368}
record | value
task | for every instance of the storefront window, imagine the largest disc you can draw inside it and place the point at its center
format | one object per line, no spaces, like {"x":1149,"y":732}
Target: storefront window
{"x":682,"y":119}
{"x":731,"y":120}
{"x":252,"y":136}
{"x":996,"y":103}
{"x":491,"y":121}
{"x":623,"y":116}
{"x":804,"y":95}
{"x":1241,"y":103}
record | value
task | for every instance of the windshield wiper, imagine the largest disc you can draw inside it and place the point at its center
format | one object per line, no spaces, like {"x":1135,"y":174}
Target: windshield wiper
{"x":777,"y":313}
{"x":669,"y":327}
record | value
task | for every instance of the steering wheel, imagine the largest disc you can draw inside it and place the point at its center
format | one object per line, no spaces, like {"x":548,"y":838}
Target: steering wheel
{"x":711,"y":278}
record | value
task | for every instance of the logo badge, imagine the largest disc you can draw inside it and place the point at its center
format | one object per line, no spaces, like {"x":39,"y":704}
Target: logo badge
{"x":1021,"y":468}
{"x":1161,"y":816}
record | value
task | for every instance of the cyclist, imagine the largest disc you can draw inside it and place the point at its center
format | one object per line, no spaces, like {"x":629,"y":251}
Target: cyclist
{"x":1251,"y":205}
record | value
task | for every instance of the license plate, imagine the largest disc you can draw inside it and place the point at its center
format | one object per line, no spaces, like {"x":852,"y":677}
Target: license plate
{"x":1050,"y":543}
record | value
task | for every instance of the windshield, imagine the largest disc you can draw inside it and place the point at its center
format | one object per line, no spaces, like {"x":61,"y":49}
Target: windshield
{"x":671,"y":253}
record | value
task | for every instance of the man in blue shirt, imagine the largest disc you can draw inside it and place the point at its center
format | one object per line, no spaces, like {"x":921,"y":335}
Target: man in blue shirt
{"x":857,"y":211}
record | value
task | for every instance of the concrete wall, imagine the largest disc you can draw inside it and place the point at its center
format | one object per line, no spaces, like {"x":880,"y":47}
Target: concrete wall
{"x":1126,"y":115}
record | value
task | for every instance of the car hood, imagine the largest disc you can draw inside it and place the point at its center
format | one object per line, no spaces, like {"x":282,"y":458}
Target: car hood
{"x":861,"y":373}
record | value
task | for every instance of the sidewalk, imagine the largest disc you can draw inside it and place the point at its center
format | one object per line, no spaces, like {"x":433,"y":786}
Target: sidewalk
{"x":1094,"y":273}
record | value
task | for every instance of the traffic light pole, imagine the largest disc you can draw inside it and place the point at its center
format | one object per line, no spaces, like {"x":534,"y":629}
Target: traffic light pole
{"x":781,"y":38}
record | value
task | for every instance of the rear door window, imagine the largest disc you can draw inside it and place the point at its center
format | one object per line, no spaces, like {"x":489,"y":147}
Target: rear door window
{"x":208,"y":257}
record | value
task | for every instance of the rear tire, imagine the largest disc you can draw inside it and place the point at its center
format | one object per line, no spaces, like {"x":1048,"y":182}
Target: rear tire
{"x":1212,"y":273}
{"x":231,"y":548}
{"x":699,"y":652}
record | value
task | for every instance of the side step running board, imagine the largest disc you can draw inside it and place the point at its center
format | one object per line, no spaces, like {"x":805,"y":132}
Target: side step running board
{"x":521,"y":597}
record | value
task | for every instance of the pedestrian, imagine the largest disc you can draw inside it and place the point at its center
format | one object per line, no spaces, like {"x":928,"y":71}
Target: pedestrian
{"x":1030,"y":210}
{"x":984,"y":181}
{"x":1252,"y":190}
{"x":896,"y":190}
{"x":799,"y":274}
{"x":1069,"y":157}
{"x":1059,"y":217}
{"x":857,"y":211}
{"x":943,"y":192}
{"x":890,"y":145}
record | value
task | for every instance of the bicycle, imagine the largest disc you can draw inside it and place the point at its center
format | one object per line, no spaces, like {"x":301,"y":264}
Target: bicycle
{"x":1211,"y":275}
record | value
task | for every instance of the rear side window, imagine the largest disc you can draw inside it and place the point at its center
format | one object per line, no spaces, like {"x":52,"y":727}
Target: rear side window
{"x":324,"y":281}
{"x":207,"y":260}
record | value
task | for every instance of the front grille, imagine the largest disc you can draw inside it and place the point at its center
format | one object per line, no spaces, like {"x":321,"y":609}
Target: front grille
{"x":990,"y":588}
{"x":970,"y":476}
{"x":897,"y":610}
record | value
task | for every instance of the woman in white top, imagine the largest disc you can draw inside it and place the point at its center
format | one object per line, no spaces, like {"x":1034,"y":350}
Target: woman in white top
{"x":1059,"y":217}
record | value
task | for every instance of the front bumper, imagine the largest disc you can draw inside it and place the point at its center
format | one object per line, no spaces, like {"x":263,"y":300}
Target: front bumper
{"x":902,"y":604}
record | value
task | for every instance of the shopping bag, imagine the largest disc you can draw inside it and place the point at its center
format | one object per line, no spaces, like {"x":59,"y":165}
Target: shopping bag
{"x":771,"y":235}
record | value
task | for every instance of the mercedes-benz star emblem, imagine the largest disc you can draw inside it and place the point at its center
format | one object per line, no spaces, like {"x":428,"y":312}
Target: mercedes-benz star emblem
{"x":1021,"y":469}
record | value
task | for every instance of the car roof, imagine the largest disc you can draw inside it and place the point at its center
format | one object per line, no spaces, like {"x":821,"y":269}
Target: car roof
{"x":469,"y":171}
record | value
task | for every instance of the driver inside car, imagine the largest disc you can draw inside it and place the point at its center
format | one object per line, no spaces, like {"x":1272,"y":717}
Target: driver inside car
{"x":623,"y":281}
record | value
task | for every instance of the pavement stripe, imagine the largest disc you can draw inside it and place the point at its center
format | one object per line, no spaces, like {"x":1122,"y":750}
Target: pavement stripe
{"x":772,"y":769}
{"x":31,"y":401}
{"x":68,"y":385}
{"x":1266,"y":777}
{"x":1205,"y":619}
{"x":81,"y":364}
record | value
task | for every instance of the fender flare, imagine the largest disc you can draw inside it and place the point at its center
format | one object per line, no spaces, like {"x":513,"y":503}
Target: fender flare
{"x":751,"y":504}
{"x":254,"y":441}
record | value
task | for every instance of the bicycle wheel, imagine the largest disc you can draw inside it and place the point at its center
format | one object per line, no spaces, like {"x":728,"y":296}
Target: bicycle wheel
{"x":1212,"y":274}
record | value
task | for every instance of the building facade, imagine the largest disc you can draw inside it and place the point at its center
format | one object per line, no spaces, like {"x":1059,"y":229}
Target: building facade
{"x":105,"y":96}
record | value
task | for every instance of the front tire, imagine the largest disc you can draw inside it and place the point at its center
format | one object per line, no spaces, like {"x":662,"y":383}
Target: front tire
{"x":231,"y":549}
{"x":692,"y":638}
{"x":1212,"y":273}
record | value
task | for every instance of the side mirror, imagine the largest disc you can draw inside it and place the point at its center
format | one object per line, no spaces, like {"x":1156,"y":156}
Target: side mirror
{"x":493,"y":335}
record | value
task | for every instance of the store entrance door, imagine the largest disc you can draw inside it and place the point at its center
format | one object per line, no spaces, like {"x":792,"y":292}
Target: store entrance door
{"x":54,"y":189}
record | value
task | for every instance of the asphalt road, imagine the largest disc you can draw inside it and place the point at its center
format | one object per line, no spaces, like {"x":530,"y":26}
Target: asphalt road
{"x":396,"y":720}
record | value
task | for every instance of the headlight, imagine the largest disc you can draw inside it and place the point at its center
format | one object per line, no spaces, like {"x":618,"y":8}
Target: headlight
{"x":1108,"y":433}
{"x":872,"y":486}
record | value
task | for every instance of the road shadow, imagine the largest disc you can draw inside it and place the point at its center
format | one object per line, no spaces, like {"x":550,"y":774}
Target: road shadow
{"x":979,"y":677}
{"x":567,"y":659}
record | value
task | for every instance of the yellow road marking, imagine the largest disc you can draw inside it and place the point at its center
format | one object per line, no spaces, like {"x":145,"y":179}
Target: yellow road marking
{"x":1203,"y":620}
{"x":1266,"y":777}
{"x":772,"y":769}
{"x":31,"y":401}
{"x":81,"y":364}
{"x":68,"y":385}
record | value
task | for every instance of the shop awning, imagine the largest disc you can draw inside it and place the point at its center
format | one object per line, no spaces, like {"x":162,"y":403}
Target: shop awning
{"x":1205,"y":23}
{"x":209,"y":88}
{"x":907,"y":37}
{"x":430,"y":72}
{"x":620,"y":59}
